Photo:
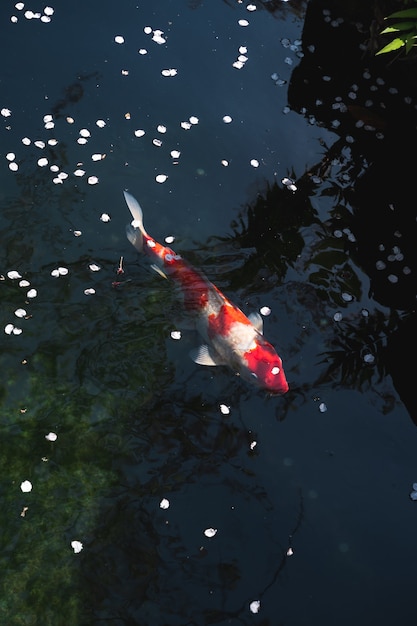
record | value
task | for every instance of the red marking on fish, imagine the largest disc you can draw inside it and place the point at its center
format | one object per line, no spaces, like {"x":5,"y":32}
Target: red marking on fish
{"x":231,"y":338}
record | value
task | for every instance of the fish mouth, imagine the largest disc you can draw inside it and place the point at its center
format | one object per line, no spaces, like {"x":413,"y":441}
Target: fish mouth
{"x":280,"y":391}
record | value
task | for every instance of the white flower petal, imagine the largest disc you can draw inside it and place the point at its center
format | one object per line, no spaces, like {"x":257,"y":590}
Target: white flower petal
{"x":77,"y":546}
{"x":255,"y":606}
{"x":26,"y":486}
{"x":13,"y":274}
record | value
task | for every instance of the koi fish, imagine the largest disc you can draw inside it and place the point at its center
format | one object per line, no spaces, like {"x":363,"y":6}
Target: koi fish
{"x":230,"y":338}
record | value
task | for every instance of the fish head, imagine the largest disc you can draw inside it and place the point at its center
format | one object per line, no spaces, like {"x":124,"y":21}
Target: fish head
{"x":264,"y":368}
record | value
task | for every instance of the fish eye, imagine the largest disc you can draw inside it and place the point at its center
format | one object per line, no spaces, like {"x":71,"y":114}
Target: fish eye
{"x":275,"y":370}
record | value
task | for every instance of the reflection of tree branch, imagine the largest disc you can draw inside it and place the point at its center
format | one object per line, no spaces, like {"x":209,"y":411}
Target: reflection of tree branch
{"x":272,"y":232}
{"x":359,"y":351}
{"x":214,"y":617}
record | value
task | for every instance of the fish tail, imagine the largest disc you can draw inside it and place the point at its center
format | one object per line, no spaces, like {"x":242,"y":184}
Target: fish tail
{"x":135,"y":231}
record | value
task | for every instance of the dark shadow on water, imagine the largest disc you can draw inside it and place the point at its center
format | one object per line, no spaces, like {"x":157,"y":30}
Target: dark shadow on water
{"x":370,"y":103}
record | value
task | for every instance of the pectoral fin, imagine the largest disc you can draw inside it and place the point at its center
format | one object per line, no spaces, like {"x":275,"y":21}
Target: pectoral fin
{"x":257,"y":321}
{"x":204,"y":355}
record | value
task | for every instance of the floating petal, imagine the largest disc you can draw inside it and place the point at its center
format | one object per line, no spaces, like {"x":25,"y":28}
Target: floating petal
{"x":77,"y":546}
{"x":13,"y":274}
{"x":255,"y":606}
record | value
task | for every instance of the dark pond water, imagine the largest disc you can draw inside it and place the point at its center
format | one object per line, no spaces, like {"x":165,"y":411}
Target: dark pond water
{"x":138,"y":488}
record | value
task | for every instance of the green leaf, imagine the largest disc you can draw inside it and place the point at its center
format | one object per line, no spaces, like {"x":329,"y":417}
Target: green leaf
{"x":395,"y":44}
{"x":399,"y":26}
{"x":409,"y":43}
{"x":403,"y":14}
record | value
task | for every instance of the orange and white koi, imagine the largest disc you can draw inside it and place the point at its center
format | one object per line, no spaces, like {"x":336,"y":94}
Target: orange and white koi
{"x":230,"y":338}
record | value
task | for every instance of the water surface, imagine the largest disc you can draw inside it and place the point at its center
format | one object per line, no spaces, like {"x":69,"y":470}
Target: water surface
{"x":193,"y":495}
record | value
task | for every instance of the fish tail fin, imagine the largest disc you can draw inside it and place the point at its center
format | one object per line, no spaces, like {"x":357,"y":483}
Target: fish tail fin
{"x":135,"y":237}
{"x":135,"y":231}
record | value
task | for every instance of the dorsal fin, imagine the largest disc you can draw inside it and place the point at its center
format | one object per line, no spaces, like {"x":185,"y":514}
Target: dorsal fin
{"x":257,"y":321}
